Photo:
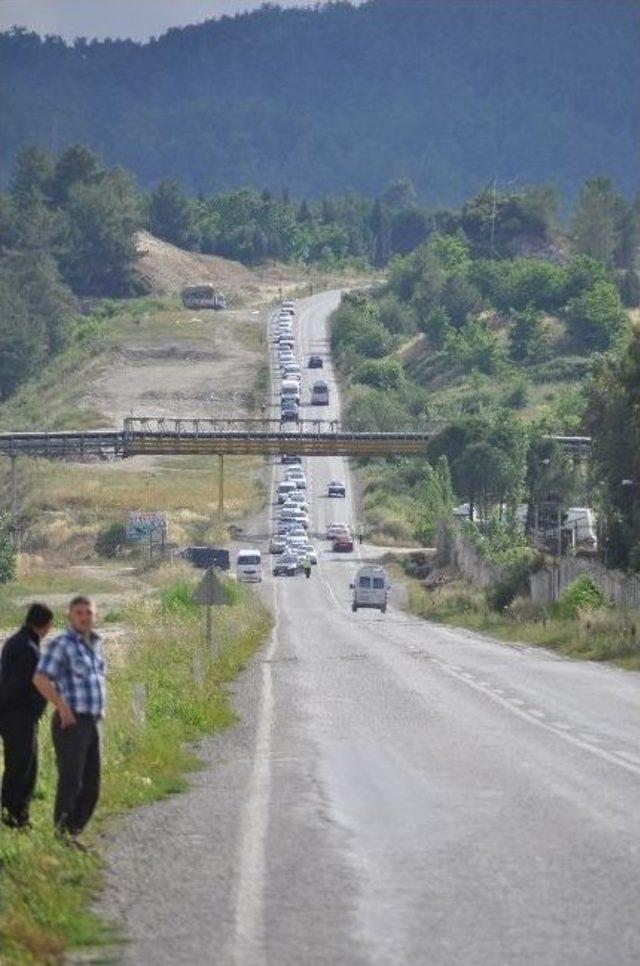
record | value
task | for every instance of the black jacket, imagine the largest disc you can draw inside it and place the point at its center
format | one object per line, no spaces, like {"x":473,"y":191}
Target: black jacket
{"x":18,"y":662}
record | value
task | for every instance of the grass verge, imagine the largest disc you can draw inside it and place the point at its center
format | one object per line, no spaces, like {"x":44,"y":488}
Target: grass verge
{"x":601,"y":634}
{"x":168,"y":693}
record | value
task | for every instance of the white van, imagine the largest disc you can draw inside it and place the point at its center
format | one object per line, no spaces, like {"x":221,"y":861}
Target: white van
{"x":249,"y":566}
{"x":370,"y":588}
{"x":290,"y":389}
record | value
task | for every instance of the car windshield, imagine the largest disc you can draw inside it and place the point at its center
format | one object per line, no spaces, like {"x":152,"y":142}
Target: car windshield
{"x":365,"y":582}
{"x":378,"y":583}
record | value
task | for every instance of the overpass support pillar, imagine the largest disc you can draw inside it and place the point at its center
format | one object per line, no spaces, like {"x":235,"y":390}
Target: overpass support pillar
{"x":15,"y":504}
{"x":221,"y":487}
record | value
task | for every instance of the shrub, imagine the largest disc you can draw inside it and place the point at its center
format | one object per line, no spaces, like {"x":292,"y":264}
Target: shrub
{"x":517,"y":396}
{"x":109,"y":540}
{"x":8,"y":558}
{"x":581,"y":595}
{"x":474,"y":347}
{"x":595,"y":317}
{"x":607,"y":634}
{"x":513,"y":581}
{"x":380,"y":373}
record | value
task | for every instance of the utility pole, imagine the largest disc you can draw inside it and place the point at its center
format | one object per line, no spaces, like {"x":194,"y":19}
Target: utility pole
{"x":221,"y":487}
{"x":15,"y":504}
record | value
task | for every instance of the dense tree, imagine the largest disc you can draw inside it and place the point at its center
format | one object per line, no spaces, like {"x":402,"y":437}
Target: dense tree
{"x":77,"y":165}
{"x":447,"y":94}
{"x":99,"y":253}
{"x":595,"y":317}
{"x":594,"y":221}
{"x":613,"y":418}
{"x":32,"y":176}
{"x":527,"y":336}
{"x":171,"y":216}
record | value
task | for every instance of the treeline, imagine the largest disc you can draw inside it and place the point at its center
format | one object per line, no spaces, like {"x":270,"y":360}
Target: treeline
{"x":252,"y":226}
{"x":461,"y":336}
{"x":67,"y":229}
{"x":345,"y":98}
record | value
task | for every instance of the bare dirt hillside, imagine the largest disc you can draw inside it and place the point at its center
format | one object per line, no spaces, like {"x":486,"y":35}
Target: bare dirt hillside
{"x":167,"y":269}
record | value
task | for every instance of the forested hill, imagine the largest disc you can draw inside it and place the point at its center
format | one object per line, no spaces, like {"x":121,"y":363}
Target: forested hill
{"x":449,"y":93}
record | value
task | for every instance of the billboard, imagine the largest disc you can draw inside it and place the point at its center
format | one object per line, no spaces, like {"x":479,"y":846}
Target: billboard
{"x":146,"y":526}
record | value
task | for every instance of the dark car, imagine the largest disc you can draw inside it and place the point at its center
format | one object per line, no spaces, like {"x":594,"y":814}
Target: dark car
{"x":343,"y":543}
{"x":336,"y":488}
{"x":285,"y":566}
{"x":315,"y":362}
{"x":289,"y":414}
{"x":205,"y":557}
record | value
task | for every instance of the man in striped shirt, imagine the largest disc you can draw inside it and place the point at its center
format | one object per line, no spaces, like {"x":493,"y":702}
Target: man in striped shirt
{"x":71,"y":674}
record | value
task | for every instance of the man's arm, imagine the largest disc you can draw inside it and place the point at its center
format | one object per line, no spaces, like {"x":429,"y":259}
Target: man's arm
{"x":49,"y":691}
{"x":17,"y":671}
{"x":48,"y":669}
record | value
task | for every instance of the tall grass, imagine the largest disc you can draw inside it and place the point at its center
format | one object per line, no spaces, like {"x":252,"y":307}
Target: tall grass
{"x":170,"y":691}
{"x":597,"y":634}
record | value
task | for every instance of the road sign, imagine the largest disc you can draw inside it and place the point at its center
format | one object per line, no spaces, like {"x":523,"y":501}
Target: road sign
{"x":141,"y":526}
{"x":211,"y":591}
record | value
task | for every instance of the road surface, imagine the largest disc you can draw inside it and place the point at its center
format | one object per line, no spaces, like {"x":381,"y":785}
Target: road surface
{"x":396,"y":793}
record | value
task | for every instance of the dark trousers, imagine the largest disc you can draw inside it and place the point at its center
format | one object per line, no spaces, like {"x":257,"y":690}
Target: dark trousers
{"x":78,"y":758}
{"x":20,"y":739}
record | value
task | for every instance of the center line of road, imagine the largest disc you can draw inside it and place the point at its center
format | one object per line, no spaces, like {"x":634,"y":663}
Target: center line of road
{"x":621,"y":759}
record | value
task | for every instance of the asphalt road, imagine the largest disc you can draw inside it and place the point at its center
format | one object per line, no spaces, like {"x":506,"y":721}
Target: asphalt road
{"x":396,"y":793}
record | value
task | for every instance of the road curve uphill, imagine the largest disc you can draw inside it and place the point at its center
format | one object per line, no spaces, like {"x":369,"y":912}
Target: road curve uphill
{"x":395,"y":794}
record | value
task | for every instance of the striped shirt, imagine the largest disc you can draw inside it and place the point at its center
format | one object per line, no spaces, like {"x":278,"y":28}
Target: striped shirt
{"x":77,"y":669}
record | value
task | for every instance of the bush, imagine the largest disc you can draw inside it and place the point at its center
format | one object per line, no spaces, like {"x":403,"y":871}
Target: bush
{"x":609,"y":634}
{"x":109,"y":540}
{"x":514,"y":581}
{"x":8,"y":559}
{"x":561,"y":369}
{"x":517,"y":396}
{"x":581,"y":595}
{"x":380,"y":373}
{"x":595,"y":317}
{"x":474,"y":347}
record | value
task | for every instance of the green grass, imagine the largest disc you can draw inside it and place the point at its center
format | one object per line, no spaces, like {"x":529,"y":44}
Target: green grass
{"x":601,"y":634}
{"x":46,"y":889}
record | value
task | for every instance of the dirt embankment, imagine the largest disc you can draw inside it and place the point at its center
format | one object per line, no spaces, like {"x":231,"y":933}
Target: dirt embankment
{"x":167,"y":269}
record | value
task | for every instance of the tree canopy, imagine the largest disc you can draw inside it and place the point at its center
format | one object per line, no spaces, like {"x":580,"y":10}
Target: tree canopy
{"x":446,"y":93}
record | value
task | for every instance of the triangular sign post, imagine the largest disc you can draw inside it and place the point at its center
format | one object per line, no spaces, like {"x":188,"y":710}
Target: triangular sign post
{"x":210,"y":592}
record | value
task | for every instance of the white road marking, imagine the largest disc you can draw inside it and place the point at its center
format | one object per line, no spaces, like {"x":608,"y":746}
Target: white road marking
{"x":620,"y":758}
{"x":249,"y":947}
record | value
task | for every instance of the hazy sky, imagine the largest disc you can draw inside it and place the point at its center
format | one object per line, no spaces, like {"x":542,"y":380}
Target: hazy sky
{"x":119,"y":18}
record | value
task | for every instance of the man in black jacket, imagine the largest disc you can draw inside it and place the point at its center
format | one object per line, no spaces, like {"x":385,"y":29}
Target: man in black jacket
{"x":21,"y":707}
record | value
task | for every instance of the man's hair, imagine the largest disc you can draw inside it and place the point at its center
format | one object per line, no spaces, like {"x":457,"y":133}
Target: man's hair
{"x":38,"y":615}
{"x":81,"y":599}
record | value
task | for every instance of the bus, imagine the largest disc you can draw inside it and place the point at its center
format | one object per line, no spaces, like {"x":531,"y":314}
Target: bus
{"x":203,"y":297}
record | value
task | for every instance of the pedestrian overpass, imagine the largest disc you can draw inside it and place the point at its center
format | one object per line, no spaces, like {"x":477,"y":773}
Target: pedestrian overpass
{"x":176,"y":436}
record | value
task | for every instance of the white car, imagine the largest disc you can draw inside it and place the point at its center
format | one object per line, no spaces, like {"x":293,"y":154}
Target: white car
{"x":333,"y":529}
{"x":297,"y":499}
{"x":300,"y":481}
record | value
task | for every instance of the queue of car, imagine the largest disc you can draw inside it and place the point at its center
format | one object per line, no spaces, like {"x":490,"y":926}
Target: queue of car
{"x":290,"y":543}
